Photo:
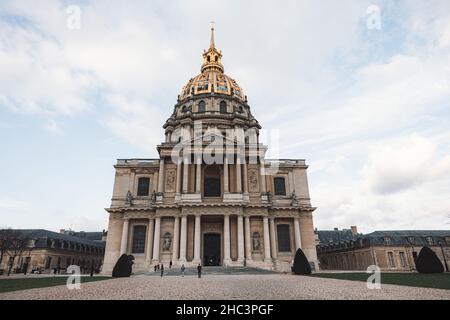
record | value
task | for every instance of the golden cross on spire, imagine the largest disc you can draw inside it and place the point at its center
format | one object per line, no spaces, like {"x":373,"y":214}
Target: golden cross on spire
{"x":212,"y":44}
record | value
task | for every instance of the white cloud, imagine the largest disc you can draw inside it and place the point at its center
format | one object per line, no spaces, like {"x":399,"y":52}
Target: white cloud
{"x":341,"y":96}
{"x":399,"y":165}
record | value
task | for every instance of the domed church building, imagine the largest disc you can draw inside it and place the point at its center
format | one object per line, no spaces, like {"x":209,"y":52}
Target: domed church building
{"x":212,"y":198}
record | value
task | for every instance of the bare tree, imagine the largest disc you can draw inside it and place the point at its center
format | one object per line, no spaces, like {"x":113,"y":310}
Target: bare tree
{"x":16,"y":242}
{"x":5,"y":235}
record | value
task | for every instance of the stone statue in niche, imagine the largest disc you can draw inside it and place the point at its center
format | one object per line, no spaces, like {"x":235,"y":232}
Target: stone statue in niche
{"x":154,"y":197}
{"x":167,"y":242}
{"x":170,"y":183}
{"x":253,"y":181}
{"x":129,"y":199}
{"x":256,"y":241}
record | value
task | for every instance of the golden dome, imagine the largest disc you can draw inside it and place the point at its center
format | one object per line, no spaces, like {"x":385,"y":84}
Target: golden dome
{"x":212,"y":78}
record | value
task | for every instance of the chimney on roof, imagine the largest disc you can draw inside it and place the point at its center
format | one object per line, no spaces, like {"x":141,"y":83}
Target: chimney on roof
{"x":62,"y":231}
{"x":336,"y":229}
{"x":354,"y":230}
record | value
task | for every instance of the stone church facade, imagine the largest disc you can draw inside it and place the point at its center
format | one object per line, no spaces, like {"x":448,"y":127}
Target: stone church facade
{"x":212,"y":198}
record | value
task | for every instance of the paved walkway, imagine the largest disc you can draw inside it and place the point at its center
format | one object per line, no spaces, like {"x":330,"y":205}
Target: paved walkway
{"x":228,"y":287}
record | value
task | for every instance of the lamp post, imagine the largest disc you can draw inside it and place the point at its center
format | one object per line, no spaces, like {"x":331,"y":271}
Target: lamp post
{"x":443,"y":255}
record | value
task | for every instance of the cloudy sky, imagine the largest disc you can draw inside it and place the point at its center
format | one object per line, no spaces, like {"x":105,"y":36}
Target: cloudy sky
{"x":368,"y":107}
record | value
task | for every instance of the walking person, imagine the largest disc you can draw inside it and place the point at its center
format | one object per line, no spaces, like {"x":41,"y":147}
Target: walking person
{"x":170,"y":264}
{"x":155,"y":267}
{"x":199,"y":270}
{"x":182,"y":270}
{"x":162,"y":270}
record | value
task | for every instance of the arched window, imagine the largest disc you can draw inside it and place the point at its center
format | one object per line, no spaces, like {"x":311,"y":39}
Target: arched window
{"x":201,"y":106}
{"x":138,"y":239}
{"x":280,"y":186}
{"x":284,"y":238}
{"x":223,"y":107}
{"x":211,"y":182}
{"x":208,"y":58}
{"x":216,"y":58}
{"x":143,"y":187}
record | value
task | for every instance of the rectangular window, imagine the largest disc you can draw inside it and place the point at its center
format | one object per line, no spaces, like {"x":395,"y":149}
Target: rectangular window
{"x":391,"y":259}
{"x":143,"y":187}
{"x":139,"y":239}
{"x":447,"y":240}
{"x":430,"y":241}
{"x":403,"y":259}
{"x":284,"y":238}
{"x":280,"y":186}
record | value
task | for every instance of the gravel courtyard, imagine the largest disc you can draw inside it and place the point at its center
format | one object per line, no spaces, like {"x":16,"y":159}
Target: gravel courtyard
{"x":228,"y":287}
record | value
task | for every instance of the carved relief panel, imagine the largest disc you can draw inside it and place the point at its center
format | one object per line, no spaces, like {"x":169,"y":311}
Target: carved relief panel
{"x":170,"y":180}
{"x":253,"y":180}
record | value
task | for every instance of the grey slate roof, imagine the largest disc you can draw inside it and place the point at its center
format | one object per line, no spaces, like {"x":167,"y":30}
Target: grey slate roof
{"x":43,"y":236}
{"x":335,"y":236}
{"x":403,"y":237}
{"x":344,"y":239}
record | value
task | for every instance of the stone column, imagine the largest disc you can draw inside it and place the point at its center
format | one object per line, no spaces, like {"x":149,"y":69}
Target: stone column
{"x":156,"y":240}
{"x":197,"y":237}
{"x":178,"y":191}
{"x":245,"y":176}
{"x":263,"y":177}
{"x":148,"y":254}
{"x":198,"y":177}
{"x":183,"y":239}
{"x":225,"y":175}
{"x":176,"y":239}
{"x":266,"y":239}
{"x":248,"y":240}
{"x":124,"y":240}
{"x":273,"y":242}
{"x":161,"y":175}
{"x":298,"y":238}
{"x":186,"y":175}
{"x":238,"y":175}
{"x":226,"y":240}
{"x":240,"y":238}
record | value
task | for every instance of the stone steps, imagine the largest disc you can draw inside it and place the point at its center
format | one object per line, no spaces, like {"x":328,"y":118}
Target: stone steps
{"x":209,"y":271}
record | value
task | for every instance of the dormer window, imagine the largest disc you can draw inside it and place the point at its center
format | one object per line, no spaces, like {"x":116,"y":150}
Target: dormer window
{"x":201,"y":106}
{"x":387,"y":241}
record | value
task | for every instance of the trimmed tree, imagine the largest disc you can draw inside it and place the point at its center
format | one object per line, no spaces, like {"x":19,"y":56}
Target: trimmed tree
{"x":123,"y":267}
{"x":428,"y":262}
{"x":301,"y":264}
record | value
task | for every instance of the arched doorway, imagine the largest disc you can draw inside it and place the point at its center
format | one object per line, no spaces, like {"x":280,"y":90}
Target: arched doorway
{"x":211,"y":182}
{"x":211,"y":249}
